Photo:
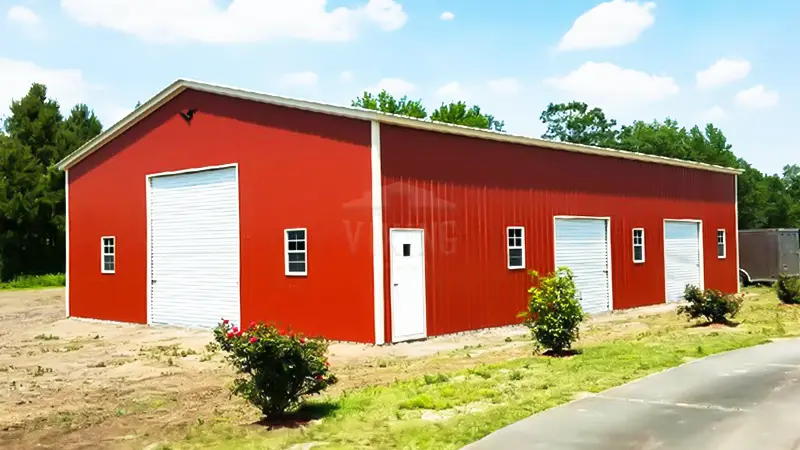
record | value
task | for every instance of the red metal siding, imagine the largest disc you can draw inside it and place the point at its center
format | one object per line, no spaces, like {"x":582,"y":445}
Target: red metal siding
{"x":464,"y":192}
{"x":296,"y":169}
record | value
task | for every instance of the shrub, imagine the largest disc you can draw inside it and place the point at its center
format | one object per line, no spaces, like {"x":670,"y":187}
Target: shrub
{"x":554,"y":311}
{"x":710,"y":304}
{"x":35,"y":281}
{"x":275,"y":369}
{"x":788,"y":289}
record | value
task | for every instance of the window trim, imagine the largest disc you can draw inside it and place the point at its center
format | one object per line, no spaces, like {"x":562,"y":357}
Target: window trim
{"x":634,"y":245}
{"x":509,"y":247}
{"x":724,"y":243}
{"x":103,"y":254}
{"x":286,"y":252}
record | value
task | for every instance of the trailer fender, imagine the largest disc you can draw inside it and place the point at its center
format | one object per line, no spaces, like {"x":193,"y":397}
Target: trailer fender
{"x":744,"y":277}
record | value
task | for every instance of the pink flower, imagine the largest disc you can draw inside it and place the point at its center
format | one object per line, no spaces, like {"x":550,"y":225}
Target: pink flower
{"x":229,"y":335}
{"x":239,"y":333}
{"x":235,"y":329}
{"x":302,"y":340}
{"x":253,"y":324}
{"x":319,"y":377}
{"x":253,"y":340}
{"x":225,"y":321}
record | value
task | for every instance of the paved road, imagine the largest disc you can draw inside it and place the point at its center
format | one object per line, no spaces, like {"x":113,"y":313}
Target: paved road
{"x":747,"y":399}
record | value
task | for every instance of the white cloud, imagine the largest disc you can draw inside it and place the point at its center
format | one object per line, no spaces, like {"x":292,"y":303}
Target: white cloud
{"x":757,"y":97}
{"x":610,"y":85}
{"x":447,"y":15}
{"x":504,"y":86}
{"x":305,"y":78}
{"x":714,"y":113}
{"x":68,"y":86}
{"x":610,"y":24}
{"x":722,"y":72}
{"x":347,"y":76}
{"x":22,"y":15}
{"x":398,"y":87}
{"x":241,"y":21}
{"x":451,"y":92}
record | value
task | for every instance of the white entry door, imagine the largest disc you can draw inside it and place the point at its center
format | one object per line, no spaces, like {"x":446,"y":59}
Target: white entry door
{"x":582,"y":246}
{"x":194,"y":248}
{"x":682,"y":256}
{"x":407,"y":279}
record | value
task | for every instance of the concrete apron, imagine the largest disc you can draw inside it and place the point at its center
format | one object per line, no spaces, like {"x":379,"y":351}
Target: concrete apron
{"x":744,"y":399}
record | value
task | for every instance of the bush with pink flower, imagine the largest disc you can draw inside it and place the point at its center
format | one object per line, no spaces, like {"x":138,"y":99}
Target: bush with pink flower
{"x":275,"y":370}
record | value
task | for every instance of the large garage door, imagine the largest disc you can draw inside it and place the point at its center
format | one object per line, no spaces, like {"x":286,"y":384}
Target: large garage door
{"x":582,"y":245}
{"x":682,"y":257}
{"x":194,"y":248}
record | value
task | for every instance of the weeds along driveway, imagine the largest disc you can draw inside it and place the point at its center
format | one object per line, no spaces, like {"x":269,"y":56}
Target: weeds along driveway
{"x":744,"y":399}
{"x":76,"y":384}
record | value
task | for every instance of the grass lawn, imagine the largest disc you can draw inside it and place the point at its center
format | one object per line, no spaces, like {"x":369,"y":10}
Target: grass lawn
{"x":449,"y":410}
{"x":35,"y":282}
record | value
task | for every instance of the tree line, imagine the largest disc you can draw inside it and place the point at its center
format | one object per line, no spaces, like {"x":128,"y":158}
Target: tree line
{"x":35,"y":136}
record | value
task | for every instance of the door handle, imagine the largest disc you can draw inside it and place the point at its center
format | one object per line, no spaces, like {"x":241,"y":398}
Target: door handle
{"x":394,"y":284}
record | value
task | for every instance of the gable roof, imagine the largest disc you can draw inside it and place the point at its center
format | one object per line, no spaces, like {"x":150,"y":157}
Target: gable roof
{"x":181,"y":85}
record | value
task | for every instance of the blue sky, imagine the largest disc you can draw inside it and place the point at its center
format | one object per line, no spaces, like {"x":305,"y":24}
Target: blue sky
{"x":695,"y":61}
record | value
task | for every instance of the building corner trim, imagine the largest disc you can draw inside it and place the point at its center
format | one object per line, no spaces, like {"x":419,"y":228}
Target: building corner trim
{"x":736,"y":231}
{"x":377,"y":231}
{"x":66,"y":242}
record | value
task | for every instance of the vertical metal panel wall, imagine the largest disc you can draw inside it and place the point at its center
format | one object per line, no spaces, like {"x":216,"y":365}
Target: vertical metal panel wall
{"x":297,"y":169}
{"x":464,"y":192}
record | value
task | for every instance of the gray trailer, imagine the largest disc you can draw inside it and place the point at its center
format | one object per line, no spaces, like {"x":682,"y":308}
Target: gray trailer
{"x":764,"y":254}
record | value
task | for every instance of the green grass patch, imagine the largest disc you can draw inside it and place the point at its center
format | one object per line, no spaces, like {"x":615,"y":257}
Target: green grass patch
{"x":35,"y":281}
{"x":451,"y":410}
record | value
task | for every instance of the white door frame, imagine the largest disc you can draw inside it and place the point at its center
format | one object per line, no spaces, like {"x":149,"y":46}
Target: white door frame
{"x":700,"y":254}
{"x":424,"y":287}
{"x":608,"y":250}
{"x":147,"y":180}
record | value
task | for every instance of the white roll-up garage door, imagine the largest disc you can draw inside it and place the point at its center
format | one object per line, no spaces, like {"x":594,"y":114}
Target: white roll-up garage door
{"x":582,"y":246}
{"x":681,"y":257}
{"x":194,"y":248}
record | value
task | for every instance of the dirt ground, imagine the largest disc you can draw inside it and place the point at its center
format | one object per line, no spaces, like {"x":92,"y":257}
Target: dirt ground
{"x":73,"y":384}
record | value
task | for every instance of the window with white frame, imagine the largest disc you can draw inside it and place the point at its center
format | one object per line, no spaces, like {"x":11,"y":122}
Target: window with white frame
{"x":516,"y":247}
{"x":721,"y":244}
{"x":108,"y":252}
{"x":296,"y":252}
{"x":638,"y":245}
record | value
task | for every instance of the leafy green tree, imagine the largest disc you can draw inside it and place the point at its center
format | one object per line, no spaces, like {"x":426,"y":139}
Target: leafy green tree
{"x":752,"y":198}
{"x":385,"y":102}
{"x":458,"y":113}
{"x":655,"y":138}
{"x":791,"y":180}
{"x":575,"y":122}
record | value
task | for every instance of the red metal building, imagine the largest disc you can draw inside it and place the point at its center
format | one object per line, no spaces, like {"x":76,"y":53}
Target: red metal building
{"x":209,"y":201}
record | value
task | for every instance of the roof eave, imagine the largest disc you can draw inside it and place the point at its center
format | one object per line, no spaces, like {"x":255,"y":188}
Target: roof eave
{"x":122,"y":125}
